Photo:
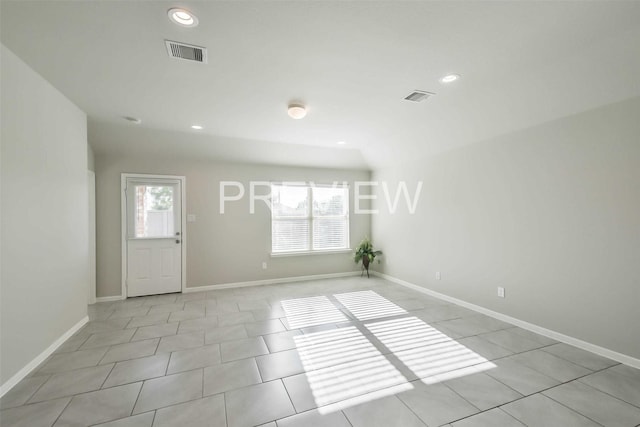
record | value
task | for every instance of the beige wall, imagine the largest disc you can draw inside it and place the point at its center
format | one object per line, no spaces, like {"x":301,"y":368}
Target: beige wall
{"x":221,"y":249}
{"x":44,"y":215}
{"x":91,"y":159}
{"x":551,"y":213}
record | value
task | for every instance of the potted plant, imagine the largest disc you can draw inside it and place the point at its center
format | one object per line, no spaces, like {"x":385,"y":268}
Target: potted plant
{"x":366,"y":254}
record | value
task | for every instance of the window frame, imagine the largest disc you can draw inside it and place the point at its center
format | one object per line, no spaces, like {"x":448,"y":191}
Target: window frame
{"x":309,"y":218}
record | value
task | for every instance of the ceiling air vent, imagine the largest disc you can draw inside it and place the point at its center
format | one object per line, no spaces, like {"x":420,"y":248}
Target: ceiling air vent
{"x":418,"y":96}
{"x":186,"y":51}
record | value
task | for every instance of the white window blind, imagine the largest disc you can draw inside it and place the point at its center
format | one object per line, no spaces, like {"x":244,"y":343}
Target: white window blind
{"x":307,"y":218}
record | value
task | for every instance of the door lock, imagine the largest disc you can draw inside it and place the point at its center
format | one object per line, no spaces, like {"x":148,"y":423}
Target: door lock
{"x":177,"y":240}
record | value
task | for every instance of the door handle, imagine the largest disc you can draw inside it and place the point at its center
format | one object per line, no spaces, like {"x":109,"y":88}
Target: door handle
{"x":177,"y":240}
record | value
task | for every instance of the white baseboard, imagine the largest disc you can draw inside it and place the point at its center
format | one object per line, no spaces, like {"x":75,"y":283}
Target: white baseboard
{"x":11,"y":382}
{"x":270,"y":281}
{"x":602,"y":351}
{"x":249,"y":283}
{"x":107,"y":299}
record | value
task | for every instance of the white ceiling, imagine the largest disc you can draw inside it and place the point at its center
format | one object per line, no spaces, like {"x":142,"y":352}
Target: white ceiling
{"x":352,"y":62}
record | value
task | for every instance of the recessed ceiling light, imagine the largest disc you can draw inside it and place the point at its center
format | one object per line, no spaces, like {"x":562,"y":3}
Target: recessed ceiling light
{"x":135,"y":120}
{"x":450,"y":78}
{"x":341,"y":142}
{"x":182,"y":17}
{"x":196,"y":127}
{"x":297,"y":111}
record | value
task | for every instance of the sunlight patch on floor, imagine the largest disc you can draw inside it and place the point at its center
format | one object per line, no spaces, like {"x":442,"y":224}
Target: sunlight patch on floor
{"x":343,"y":367}
{"x":311,"y":311}
{"x":328,"y":348}
{"x":343,"y":364}
{"x":429,"y":353}
{"x":366,"y":305}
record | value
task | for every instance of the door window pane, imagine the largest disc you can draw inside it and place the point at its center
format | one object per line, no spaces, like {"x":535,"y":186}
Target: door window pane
{"x":154,"y":211}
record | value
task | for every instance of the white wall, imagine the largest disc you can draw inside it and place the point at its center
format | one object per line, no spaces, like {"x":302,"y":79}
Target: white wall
{"x":221,"y":249}
{"x":551,"y":213}
{"x":44,"y":215}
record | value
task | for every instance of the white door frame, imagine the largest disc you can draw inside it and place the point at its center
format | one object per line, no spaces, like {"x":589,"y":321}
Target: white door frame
{"x":123,"y":224}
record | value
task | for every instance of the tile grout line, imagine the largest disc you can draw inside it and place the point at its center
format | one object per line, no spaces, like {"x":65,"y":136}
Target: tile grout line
{"x":295,"y":411}
{"x":571,"y":409}
{"x":226,"y":413}
{"x":62,"y":412}
{"x":26,"y":402}
{"x":402,"y":402}
{"x":176,"y":403}
{"x":571,"y":361}
{"x":106,"y":376}
{"x":603,"y":391}
{"x":549,"y":388}
{"x":487,"y":410}
{"x":137,"y":398}
{"x":344,"y":414}
{"x":513,"y":417}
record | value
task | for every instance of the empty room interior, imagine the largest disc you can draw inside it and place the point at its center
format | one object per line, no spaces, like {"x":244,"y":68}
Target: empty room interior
{"x":320,"y":213}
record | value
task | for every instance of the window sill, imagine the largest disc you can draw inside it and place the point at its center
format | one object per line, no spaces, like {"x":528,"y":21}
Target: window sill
{"x":303,"y":253}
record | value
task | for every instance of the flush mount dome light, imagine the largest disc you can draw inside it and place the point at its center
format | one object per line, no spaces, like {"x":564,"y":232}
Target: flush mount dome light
{"x":297,"y":111}
{"x":182,"y":17}
{"x":450,"y":78}
{"x":196,"y":127}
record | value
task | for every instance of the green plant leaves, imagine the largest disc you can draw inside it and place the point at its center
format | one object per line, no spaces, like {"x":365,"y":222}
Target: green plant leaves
{"x":365,"y":249}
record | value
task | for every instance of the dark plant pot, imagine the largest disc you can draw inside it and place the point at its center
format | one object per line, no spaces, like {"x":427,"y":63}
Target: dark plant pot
{"x":365,"y":264}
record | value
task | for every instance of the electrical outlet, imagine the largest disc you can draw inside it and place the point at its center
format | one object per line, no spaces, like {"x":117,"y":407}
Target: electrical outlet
{"x":438,"y":277}
{"x":264,"y":265}
{"x":500,"y":291}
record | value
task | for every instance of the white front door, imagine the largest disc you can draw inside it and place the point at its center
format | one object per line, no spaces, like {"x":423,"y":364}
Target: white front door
{"x":154,"y":235}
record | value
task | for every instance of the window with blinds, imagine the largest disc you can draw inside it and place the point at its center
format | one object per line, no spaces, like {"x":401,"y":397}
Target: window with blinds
{"x":307,"y":218}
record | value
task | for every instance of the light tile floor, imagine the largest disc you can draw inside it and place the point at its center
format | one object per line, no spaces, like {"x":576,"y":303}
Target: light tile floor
{"x":343,"y":352}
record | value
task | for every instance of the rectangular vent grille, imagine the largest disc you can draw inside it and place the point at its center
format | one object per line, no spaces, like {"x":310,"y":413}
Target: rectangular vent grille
{"x":418,"y":96}
{"x":186,"y":52}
